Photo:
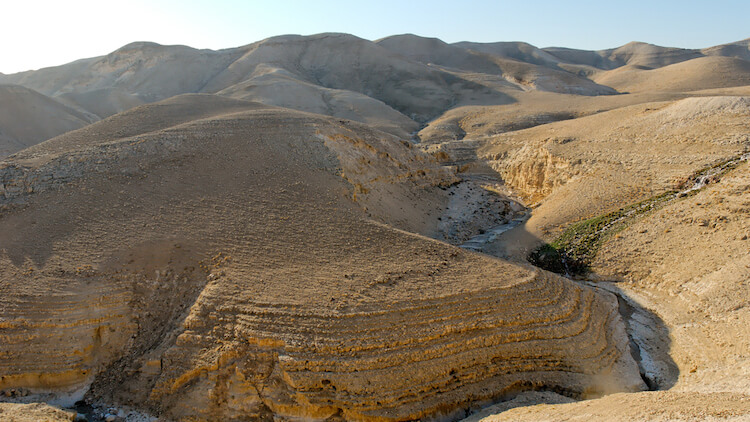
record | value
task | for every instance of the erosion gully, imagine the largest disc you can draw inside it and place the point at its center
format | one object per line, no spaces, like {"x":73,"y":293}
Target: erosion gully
{"x":646,"y":331}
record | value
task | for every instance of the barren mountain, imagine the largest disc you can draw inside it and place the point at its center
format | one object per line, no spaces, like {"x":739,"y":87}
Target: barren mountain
{"x":257,"y":233}
{"x":145,"y":70}
{"x":149,"y":72}
{"x":521,"y":51}
{"x":394,"y":84}
{"x":636,"y":54}
{"x":519,"y":69}
{"x":27,"y":118}
{"x":739,"y":50}
{"x":217,"y":298}
{"x":701,"y":73}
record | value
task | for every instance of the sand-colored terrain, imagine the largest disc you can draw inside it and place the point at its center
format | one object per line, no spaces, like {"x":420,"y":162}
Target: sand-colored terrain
{"x":690,"y":263}
{"x":217,"y":298}
{"x":576,"y":169}
{"x":686,"y":263}
{"x":394,"y":84}
{"x":27,"y":118}
{"x":37,"y":412}
{"x":272,"y":232}
{"x":703,"y":72}
{"x":638,"y":407}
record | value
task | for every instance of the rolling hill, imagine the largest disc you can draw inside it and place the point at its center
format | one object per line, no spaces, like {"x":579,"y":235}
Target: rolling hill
{"x":27,"y":118}
{"x":329,"y":228}
{"x":197,"y":287}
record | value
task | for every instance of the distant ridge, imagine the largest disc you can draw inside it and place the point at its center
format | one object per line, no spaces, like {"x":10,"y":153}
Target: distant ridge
{"x":397,"y":84}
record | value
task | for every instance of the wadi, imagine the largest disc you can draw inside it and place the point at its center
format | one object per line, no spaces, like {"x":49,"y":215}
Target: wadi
{"x":327,"y":228}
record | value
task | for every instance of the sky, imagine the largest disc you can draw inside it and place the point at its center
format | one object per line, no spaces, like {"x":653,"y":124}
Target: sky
{"x":41,"y":33}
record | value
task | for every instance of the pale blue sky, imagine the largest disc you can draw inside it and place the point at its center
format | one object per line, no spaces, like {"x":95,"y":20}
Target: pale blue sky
{"x":38,"y":33}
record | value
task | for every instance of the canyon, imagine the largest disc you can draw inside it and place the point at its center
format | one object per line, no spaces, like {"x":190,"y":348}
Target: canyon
{"x":328,"y":228}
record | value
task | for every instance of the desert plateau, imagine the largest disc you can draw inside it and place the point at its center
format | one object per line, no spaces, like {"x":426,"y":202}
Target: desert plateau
{"x":328,"y":228}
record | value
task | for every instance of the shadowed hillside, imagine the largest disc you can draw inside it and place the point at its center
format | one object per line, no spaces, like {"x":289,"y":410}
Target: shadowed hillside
{"x":27,"y":118}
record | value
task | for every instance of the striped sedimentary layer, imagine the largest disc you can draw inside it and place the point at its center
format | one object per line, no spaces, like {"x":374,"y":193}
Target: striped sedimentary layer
{"x":412,"y":359}
{"x":236,"y":354}
{"x":225,"y":269}
{"x":56,"y":339}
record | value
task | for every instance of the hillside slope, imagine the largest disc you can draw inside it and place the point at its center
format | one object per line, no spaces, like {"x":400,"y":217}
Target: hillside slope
{"x":692,"y":75}
{"x":521,"y":71}
{"x":395,"y":84}
{"x":580,"y":168}
{"x":235,"y":264}
{"x":27,"y":118}
{"x":304,"y":73}
{"x":688,"y":263}
{"x":739,"y":49}
{"x":637,"y":54}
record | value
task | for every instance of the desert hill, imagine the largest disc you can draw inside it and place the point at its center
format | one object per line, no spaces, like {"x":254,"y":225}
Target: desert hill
{"x":149,"y":72}
{"x":216,"y":297}
{"x":328,"y":228}
{"x":685,"y":261}
{"x":518,"y":69}
{"x":521,"y":51}
{"x":700,"y":73}
{"x":582,"y":167}
{"x":395,"y":84}
{"x":739,"y":50}
{"x":142,"y":69}
{"x":634,"y":54}
{"x":27,"y":118}
{"x":529,"y":110}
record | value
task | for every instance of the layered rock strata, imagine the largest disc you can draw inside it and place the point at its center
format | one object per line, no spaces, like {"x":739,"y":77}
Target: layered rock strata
{"x":222,"y":269}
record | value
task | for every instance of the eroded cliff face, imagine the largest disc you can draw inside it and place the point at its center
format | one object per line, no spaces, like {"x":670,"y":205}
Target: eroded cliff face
{"x":402,"y":360}
{"x":234,"y":355}
{"x":222,"y":269}
{"x":533,"y":172}
{"x":57,"y":338}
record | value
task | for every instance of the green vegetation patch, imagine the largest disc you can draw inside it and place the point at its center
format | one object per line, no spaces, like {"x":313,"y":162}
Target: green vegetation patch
{"x":574,"y":250}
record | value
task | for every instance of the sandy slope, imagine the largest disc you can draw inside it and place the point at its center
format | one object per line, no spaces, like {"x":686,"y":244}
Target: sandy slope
{"x":11,"y":412}
{"x":232,"y":262}
{"x":580,"y":168}
{"x":528,"y":109}
{"x":686,"y":263}
{"x":700,"y":73}
{"x":518,"y":69}
{"x":213,"y":257}
{"x":639,"y":407}
{"x":689,"y":264}
{"x":27,"y":118}
{"x":276,"y":86}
